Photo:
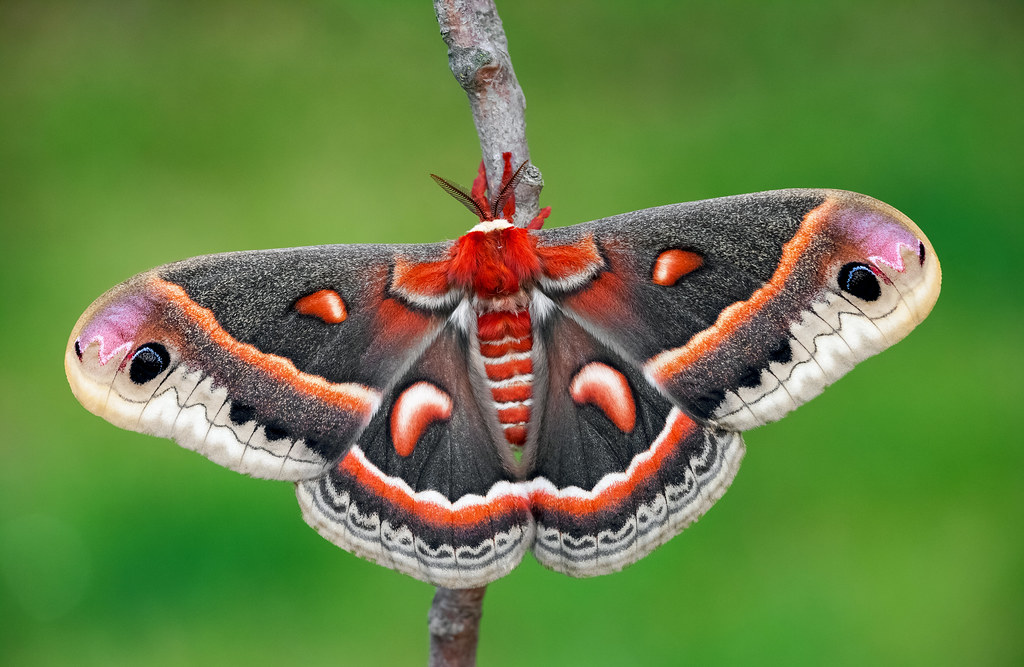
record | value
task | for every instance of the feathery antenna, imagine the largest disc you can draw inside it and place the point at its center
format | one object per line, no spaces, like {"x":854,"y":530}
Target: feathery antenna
{"x":461,"y":196}
{"x":507,"y":190}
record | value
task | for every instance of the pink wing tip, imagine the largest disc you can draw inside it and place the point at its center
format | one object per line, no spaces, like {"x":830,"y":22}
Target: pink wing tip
{"x":115,"y":327}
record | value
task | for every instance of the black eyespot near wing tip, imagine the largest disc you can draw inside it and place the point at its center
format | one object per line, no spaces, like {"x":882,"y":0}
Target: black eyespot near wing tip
{"x":147,"y":362}
{"x":920,"y":251}
{"x":78,"y":350}
{"x":858,"y":279}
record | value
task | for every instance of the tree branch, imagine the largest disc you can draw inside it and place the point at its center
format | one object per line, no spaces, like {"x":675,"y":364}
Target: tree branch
{"x":454,"y":623}
{"x":479,"y":59}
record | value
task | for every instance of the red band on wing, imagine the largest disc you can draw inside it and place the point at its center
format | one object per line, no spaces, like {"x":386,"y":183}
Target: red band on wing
{"x":325,"y":304}
{"x":347,"y":396}
{"x":678,"y":427}
{"x":666,"y":364}
{"x":514,"y":500}
{"x":441,"y":514}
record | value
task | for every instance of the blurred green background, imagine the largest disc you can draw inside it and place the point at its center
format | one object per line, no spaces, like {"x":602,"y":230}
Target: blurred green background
{"x":880,"y":524}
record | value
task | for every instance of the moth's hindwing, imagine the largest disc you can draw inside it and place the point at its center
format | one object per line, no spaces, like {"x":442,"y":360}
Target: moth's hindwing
{"x":425,"y":490}
{"x":742,"y":308}
{"x":619,"y":470}
{"x":268,"y":362}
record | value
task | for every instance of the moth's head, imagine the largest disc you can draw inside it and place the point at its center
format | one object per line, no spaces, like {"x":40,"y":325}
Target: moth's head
{"x":882,"y":263}
{"x":120,"y":350}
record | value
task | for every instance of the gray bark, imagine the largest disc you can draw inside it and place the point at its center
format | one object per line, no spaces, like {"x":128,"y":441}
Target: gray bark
{"x":454,"y":623}
{"x":479,"y":59}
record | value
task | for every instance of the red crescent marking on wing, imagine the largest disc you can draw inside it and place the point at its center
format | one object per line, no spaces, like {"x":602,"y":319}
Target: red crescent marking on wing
{"x":417,"y":408}
{"x":348,"y":396}
{"x":603,"y":386}
{"x":672,"y":265}
{"x":325,"y":304}
{"x":563,"y":262}
{"x":666,"y":364}
{"x":644,"y":467}
{"x":355,"y":466}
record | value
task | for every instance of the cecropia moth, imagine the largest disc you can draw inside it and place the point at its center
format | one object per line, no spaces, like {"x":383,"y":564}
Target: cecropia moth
{"x":443,"y":408}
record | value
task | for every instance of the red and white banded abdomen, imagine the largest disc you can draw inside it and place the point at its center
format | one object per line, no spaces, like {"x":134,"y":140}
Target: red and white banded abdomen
{"x":506,"y":344}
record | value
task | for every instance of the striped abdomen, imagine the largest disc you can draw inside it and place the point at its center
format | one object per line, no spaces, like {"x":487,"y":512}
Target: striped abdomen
{"x":506,"y":341}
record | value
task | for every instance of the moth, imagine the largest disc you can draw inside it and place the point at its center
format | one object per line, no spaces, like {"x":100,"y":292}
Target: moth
{"x":579,"y":392}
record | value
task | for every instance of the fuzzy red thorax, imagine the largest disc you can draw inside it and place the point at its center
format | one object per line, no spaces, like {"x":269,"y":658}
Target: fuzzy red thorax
{"x":495,"y":263}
